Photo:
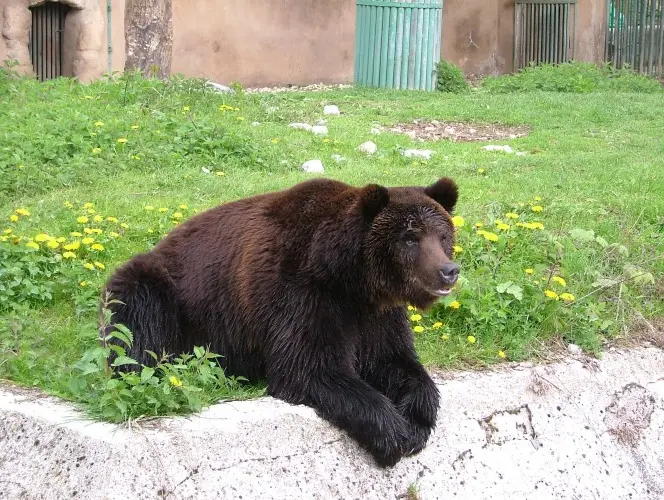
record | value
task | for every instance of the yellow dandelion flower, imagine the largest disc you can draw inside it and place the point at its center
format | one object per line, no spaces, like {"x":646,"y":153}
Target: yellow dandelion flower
{"x":88,"y":205}
{"x":479,"y":224}
{"x":177,"y":215}
{"x":326,"y":140}
{"x":89,"y":266}
{"x":559,"y":280}
{"x":61,"y":239}
{"x":69,"y":255}
{"x":97,"y":247}
{"x":455,"y":304}
{"x":96,"y":231}
{"x":471,"y":339}
{"x":437,"y":324}
{"x":148,"y":208}
{"x":219,"y":174}
{"x":42,"y":237}
{"x":551,"y":294}
{"x":185,"y":108}
{"x":97,"y":218}
{"x":488,"y":235}
{"x":457,"y":248}
{"x":13,"y":218}
{"x":511,"y":215}
{"x":72,"y":246}
{"x":458,"y":221}
{"x":411,"y":308}
{"x":111,"y":219}
{"x":275,"y":140}
{"x":82,"y":219}
{"x":113,"y":234}
{"x":480,"y":170}
{"x":415,"y":317}
{"x":538,"y":225}
{"x":99,"y":265}
{"x":502,"y":226}
{"x":444,"y":337}
{"x":163,"y":209}
{"x":99,"y":124}
{"x":418,"y":329}
{"x":537,"y":208}
{"x":87,"y":241}
{"x":135,"y":127}
{"x":183,"y":207}
{"x":53,"y":244}
{"x":538,"y":198}
{"x":83,"y":283}
{"x":22,"y":211}
{"x":175,"y":382}
{"x":124,"y":225}
{"x":135,"y":157}
{"x":240,"y":118}
{"x":150,"y":231}
{"x":501,"y":354}
{"x":87,"y":230}
{"x":68,"y":204}
{"x":530,"y":270}
{"x":32,"y":244}
{"x":567,"y":297}
{"x":76,"y":234}
{"x":122,"y":140}
{"x":96,"y":150}
{"x":8,"y":231}
{"x":92,"y":211}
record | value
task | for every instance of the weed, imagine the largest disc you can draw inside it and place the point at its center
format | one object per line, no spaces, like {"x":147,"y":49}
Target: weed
{"x":451,"y":78}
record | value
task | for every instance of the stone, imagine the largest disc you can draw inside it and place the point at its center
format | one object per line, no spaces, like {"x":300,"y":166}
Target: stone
{"x":319,"y":130}
{"x":505,"y":149}
{"x":338,"y":158}
{"x":331,"y":109}
{"x":375,"y":131}
{"x":300,"y":126}
{"x":367,"y":147}
{"x":418,"y":153}
{"x":313,"y":167}
{"x":219,"y":87}
{"x":574,"y":349}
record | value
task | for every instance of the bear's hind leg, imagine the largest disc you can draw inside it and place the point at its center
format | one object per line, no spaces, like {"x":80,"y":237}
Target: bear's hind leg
{"x":147,"y":306}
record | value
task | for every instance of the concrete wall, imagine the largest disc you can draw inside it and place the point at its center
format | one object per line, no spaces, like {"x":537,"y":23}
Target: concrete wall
{"x":478,"y":35}
{"x":276,"y":42}
{"x":259,"y":42}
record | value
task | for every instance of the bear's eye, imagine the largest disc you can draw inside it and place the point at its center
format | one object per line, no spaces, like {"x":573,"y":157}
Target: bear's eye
{"x":410,"y":239}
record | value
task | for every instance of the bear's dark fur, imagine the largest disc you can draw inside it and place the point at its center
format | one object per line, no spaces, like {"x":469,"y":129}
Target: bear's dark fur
{"x":306,"y":288}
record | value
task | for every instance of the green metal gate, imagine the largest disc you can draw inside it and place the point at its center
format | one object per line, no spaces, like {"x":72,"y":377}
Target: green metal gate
{"x":397,"y":43}
{"x":544,"y":32}
{"x":635,"y":35}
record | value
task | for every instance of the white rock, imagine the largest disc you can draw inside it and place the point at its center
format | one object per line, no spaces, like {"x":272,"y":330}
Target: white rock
{"x":205,"y":170}
{"x":375,"y":131}
{"x":313,"y":167}
{"x":574,"y":349}
{"x":520,"y":153}
{"x":331,"y":109}
{"x":368,"y":147}
{"x":300,"y":126}
{"x":418,"y":153}
{"x":493,"y":147}
{"x":338,"y":158}
{"x":218,"y":87}
{"x":319,"y":129}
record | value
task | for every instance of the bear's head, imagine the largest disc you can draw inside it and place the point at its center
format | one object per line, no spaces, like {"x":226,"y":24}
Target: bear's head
{"x":409,"y":243}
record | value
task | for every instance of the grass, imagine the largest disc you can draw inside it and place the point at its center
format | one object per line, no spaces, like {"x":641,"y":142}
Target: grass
{"x":595,"y":165}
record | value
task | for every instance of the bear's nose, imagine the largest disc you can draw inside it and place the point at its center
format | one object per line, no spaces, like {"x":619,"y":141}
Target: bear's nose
{"x":449,"y":272}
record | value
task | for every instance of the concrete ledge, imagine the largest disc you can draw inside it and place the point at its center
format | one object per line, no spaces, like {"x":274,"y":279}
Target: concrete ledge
{"x":574,"y":429}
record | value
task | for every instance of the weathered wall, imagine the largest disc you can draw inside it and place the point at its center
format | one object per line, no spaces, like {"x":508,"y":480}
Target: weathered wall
{"x":478,"y":35}
{"x":259,"y":42}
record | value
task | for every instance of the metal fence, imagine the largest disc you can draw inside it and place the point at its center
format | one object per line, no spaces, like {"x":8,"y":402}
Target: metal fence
{"x":635,"y":35}
{"x":45,"y":42}
{"x":544,"y":32}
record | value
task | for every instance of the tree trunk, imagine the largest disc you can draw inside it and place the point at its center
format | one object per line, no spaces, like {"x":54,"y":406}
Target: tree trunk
{"x":149,"y":36}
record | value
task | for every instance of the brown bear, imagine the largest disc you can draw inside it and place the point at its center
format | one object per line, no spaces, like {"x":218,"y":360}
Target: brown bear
{"x":306,"y":288}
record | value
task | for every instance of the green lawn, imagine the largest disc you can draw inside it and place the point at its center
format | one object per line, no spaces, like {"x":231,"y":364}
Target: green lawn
{"x":595,"y":166}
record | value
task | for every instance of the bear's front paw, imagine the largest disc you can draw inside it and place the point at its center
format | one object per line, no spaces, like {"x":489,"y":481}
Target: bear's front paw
{"x":420,"y":407}
{"x":418,"y":439}
{"x":389,"y":448}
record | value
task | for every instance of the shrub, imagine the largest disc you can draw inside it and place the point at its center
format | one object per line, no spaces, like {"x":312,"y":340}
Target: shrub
{"x":578,"y":77}
{"x":451,"y":78}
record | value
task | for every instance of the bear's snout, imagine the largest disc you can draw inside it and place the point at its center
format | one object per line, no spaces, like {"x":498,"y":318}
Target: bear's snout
{"x":449,"y":273}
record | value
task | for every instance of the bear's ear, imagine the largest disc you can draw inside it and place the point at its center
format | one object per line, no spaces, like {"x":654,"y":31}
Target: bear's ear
{"x":373,"y":198}
{"x":445,"y":192}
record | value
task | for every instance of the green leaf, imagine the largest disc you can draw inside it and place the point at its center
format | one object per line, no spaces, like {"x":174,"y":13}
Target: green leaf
{"x":124,"y":360}
{"x":146,"y":374}
{"x":582,"y":236}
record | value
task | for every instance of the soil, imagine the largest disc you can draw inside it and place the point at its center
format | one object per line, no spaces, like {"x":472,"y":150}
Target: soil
{"x":433,"y":130}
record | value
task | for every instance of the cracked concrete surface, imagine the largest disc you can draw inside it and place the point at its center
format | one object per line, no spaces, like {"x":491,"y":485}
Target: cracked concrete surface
{"x":569,"y":430}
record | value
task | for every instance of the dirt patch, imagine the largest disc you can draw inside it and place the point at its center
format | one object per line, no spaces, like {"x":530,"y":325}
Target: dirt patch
{"x":433,"y":130}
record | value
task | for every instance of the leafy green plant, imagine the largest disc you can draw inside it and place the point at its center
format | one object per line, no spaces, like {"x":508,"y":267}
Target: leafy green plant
{"x":450,"y":78}
{"x":575,"y":77}
{"x":173,"y":386}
